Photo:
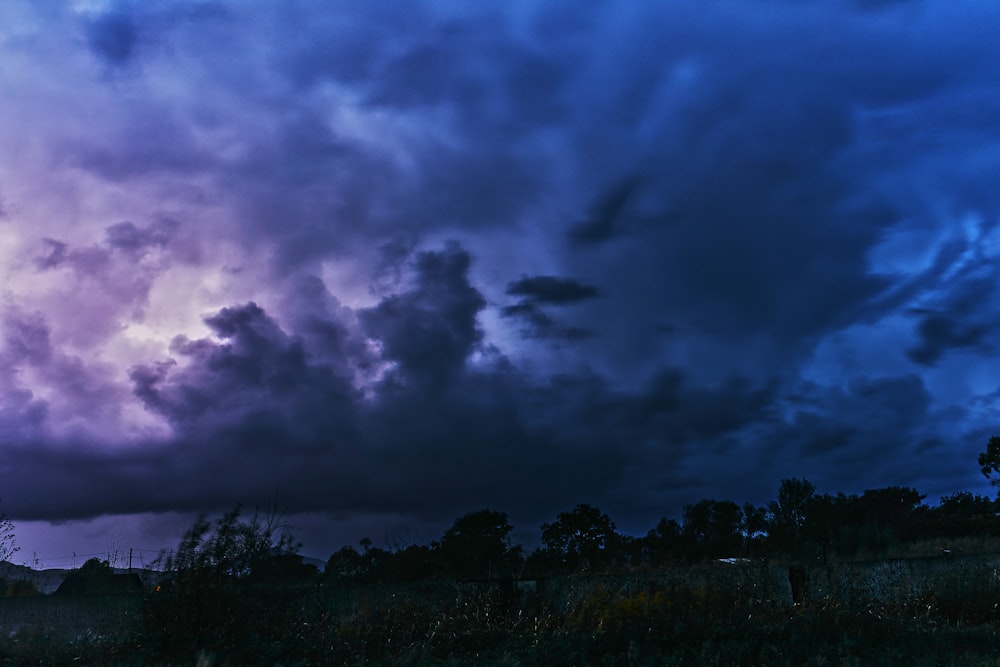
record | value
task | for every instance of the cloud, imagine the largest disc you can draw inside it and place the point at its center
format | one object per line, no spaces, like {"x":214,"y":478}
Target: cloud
{"x":536,"y":323}
{"x":546,"y":290}
{"x":99,"y":288}
{"x":606,"y":219}
{"x":253,"y":409}
{"x":430,"y":330}
{"x":79,"y":398}
{"x":254,"y":382}
{"x":940,"y":333}
{"x":551,"y":289}
{"x":113,"y":36}
{"x":226,"y":270}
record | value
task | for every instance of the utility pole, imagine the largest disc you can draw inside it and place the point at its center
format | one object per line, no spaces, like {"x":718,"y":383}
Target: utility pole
{"x":130,"y":560}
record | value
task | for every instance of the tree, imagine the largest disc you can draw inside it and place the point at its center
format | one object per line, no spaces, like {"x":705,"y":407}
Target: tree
{"x":414,"y":563}
{"x":713,"y":529}
{"x":962,"y":514}
{"x":231,"y":548}
{"x":662,"y":545}
{"x":989,"y":461}
{"x":754,"y":527}
{"x":895,"y":508}
{"x":221,"y":582}
{"x":8,"y":547}
{"x":346,"y":565}
{"x":583,"y":538}
{"x":789,"y":513}
{"x":478,"y":545}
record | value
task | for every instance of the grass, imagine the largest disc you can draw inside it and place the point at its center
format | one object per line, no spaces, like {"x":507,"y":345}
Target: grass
{"x":706,"y":615}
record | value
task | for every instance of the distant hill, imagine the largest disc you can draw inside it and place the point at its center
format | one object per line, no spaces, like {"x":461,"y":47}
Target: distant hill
{"x":319,"y":563}
{"x":46,"y":581}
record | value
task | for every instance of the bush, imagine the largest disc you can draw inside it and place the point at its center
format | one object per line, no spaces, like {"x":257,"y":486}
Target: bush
{"x":232,"y":588}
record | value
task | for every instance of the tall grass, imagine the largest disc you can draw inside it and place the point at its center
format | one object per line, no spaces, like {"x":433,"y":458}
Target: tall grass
{"x":943,"y":614}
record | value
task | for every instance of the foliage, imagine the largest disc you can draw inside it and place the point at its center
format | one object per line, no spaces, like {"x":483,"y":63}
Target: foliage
{"x":960,"y":515}
{"x":582,"y":539}
{"x":989,"y":461}
{"x":18,"y":588}
{"x":95,"y":567}
{"x":788,"y":516}
{"x":8,"y":546}
{"x":478,"y":546}
{"x":754,"y":528}
{"x":228,"y":587}
{"x":662,"y":545}
{"x":712,"y":529}
{"x":345,"y":565}
{"x":230,"y":547}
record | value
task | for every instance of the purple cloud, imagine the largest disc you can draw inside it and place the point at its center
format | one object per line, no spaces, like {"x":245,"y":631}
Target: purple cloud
{"x":695,"y":250}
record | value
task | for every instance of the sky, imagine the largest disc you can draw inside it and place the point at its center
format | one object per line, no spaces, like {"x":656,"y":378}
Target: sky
{"x":387,"y":263}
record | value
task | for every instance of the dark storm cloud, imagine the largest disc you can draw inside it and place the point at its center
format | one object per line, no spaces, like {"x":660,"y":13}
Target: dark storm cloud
{"x":885,"y":431}
{"x":606,"y":216}
{"x":128,"y":237}
{"x":256,"y":383}
{"x":254,"y":409}
{"x":117,"y":35}
{"x":958,"y":307}
{"x":867,"y":414}
{"x":940,"y":333}
{"x":430,"y":330}
{"x":551,"y":289}
{"x":679,"y":412}
{"x":113,"y":36}
{"x":536,"y":323}
{"x":547,"y":290}
{"x":767,"y":189}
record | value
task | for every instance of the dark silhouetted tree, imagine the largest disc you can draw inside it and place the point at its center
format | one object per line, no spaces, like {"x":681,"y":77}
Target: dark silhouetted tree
{"x":478,"y":546}
{"x":989,"y":461}
{"x":8,"y":547}
{"x":754,"y":528}
{"x":346,"y":565}
{"x":962,"y":514}
{"x":582,"y":539}
{"x":894,"y":508}
{"x":230,"y":547}
{"x":205,"y":599}
{"x":414,"y":563}
{"x":864,"y":526}
{"x":662,"y":545}
{"x":712,"y":529}
{"x":787,"y":516}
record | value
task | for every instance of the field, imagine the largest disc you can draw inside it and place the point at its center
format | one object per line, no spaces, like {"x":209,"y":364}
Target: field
{"x":928,"y":611}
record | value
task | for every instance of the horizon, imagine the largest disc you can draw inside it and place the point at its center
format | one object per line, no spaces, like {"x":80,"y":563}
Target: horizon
{"x":143,"y":558}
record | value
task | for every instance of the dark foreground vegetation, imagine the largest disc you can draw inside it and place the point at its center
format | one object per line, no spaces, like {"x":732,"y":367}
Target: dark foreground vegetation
{"x":707,"y":614}
{"x":810,"y":579}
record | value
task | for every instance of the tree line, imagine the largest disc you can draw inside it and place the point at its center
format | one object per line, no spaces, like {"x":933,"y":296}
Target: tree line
{"x":800,"y":524}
